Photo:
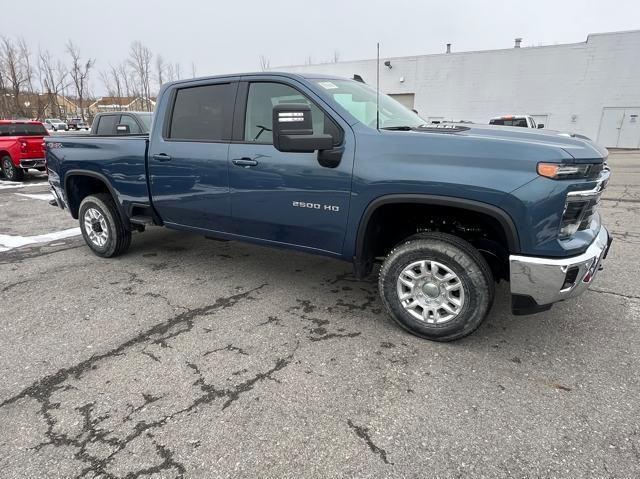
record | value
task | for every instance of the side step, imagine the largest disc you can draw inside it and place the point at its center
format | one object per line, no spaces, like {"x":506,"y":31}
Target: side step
{"x":142,"y":220}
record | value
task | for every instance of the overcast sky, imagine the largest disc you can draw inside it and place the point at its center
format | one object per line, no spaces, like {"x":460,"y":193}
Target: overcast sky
{"x":224,"y":36}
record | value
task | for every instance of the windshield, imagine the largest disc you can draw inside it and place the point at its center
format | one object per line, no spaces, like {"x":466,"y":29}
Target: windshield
{"x":360,"y":100}
{"x":55,"y":120}
{"x":145,"y":118}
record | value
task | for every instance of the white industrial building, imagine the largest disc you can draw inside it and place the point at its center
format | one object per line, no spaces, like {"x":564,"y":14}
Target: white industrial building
{"x":591,"y":88}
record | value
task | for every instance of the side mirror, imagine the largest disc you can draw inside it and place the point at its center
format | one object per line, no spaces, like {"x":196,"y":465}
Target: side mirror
{"x":122,"y":129}
{"x":540,"y":125}
{"x":293,"y":130}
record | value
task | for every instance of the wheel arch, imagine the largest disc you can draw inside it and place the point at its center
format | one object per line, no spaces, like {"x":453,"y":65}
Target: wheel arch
{"x":78,"y":184}
{"x":362,"y":258}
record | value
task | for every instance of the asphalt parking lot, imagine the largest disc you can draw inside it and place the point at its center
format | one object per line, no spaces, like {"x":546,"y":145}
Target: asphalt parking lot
{"x":195,"y":358}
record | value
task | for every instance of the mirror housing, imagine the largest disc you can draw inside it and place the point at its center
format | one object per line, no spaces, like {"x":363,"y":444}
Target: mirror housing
{"x":122,"y":129}
{"x":293,"y":130}
{"x":540,"y":125}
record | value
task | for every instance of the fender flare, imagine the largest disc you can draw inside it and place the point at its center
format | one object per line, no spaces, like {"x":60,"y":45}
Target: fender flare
{"x":501,"y":216}
{"x":71,"y":173}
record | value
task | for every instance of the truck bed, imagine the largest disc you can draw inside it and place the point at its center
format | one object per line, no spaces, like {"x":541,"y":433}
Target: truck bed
{"x":120,"y":160}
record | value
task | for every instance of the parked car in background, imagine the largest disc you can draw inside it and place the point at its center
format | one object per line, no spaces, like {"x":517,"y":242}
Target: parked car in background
{"x":78,"y":124}
{"x":525,"y":121}
{"x":305,"y":162}
{"x":122,"y":123}
{"x":55,"y":124}
{"x":21,"y":147}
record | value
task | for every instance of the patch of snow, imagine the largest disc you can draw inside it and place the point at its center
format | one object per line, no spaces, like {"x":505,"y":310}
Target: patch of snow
{"x":5,"y":185}
{"x":8,"y":242}
{"x":37,"y":196}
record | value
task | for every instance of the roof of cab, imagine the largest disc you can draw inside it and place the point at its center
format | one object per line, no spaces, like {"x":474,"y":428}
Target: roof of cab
{"x":294,"y":76}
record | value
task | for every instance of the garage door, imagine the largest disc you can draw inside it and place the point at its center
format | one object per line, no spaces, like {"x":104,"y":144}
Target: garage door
{"x":620,"y":128}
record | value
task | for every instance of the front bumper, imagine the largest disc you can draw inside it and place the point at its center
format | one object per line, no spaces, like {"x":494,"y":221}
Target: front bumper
{"x":32,"y":163}
{"x":537,"y":283}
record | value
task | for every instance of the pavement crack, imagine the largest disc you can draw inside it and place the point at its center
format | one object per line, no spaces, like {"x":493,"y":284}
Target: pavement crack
{"x":168,"y":463}
{"x":212,"y":393}
{"x":363,"y":433}
{"x":228,"y":347}
{"x":43,"y":390}
{"x":332,"y":335}
{"x":613,"y":293}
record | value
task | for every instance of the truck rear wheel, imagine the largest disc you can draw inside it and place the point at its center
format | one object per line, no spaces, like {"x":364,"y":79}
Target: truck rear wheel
{"x":9,"y":171}
{"x":436,"y":286}
{"x":102,"y":226}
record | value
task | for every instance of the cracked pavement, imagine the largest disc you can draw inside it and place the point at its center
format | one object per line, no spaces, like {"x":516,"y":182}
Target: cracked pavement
{"x":195,"y":358}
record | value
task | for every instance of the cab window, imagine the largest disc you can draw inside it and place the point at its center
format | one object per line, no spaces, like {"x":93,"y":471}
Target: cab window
{"x":134,"y":128}
{"x":263,"y":96}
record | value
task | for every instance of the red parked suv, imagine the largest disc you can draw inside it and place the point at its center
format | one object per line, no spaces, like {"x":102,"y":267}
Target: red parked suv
{"x":21,"y":147}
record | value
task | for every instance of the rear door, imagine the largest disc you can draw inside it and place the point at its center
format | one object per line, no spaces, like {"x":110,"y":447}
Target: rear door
{"x":188,"y":172}
{"x":289,"y":198}
{"x":630,"y":131}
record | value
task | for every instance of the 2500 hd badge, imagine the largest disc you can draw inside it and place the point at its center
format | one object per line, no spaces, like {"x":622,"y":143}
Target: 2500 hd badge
{"x":315,"y":206}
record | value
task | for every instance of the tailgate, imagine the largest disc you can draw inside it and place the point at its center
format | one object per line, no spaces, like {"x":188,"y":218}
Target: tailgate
{"x":31,"y":146}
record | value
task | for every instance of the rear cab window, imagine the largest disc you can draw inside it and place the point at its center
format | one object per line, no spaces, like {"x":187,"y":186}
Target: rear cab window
{"x":203,"y":113}
{"x":107,"y":125}
{"x":23,"y":129}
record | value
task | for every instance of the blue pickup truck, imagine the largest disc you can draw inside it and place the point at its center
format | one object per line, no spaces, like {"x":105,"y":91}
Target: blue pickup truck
{"x":318,"y":164}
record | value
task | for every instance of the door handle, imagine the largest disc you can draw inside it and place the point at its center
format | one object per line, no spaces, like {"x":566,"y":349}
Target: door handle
{"x":245,"y":162}
{"x":162,"y":157}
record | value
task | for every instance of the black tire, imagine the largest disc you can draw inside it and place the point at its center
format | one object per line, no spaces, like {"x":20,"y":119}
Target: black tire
{"x":10,"y":171}
{"x":118,"y":237}
{"x":473,"y":272}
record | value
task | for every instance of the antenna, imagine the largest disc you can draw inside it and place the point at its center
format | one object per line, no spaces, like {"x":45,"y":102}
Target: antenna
{"x":378,"y":88}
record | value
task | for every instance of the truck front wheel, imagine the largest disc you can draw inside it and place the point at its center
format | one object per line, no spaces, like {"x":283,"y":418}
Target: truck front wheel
{"x":436,"y":286}
{"x":102,"y":227}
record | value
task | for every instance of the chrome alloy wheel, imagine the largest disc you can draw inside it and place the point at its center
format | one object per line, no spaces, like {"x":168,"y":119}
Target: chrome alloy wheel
{"x":96,"y":227}
{"x":430,"y":292}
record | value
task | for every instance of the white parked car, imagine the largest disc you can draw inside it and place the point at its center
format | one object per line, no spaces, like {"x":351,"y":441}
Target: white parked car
{"x":55,"y":124}
{"x":525,"y":121}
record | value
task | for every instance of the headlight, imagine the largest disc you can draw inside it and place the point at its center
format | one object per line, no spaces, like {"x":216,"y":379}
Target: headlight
{"x":557,"y":171}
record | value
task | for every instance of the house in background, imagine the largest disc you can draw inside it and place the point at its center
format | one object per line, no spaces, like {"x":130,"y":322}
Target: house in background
{"x":126,"y":103}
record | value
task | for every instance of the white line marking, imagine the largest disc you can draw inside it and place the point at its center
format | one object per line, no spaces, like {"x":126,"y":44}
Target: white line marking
{"x":37,"y":196}
{"x":8,"y":242}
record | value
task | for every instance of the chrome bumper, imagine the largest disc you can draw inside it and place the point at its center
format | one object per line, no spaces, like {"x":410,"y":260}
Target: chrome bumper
{"x":32,"y":163}
{"x":549,"y":280}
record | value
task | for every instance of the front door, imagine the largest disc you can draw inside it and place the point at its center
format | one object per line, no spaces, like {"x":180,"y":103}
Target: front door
{"x":620,"y":128}
{"x":287,"y":198}
{"x":188,"y":172}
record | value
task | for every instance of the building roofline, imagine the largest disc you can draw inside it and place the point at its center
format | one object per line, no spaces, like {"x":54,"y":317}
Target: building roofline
{"x":494,"y":50}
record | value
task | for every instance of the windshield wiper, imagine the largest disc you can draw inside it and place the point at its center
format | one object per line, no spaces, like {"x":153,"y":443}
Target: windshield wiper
{"x":397,"y":128}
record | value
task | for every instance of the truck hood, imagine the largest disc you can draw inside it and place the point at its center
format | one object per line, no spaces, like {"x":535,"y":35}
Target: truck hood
{"x":579,"y":147}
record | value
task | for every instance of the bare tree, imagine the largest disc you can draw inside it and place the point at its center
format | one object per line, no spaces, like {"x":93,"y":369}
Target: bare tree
{"x":160,"y":71}
{"x":15,"y":74}
{"x":265,"y":63}
{"x":25,"y":59}
{"x":53,"y":79}
{"x":80,"y":69}
{"x":123,"y":74}
{"x":140,"y":61}
{"x":336,"y":56}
